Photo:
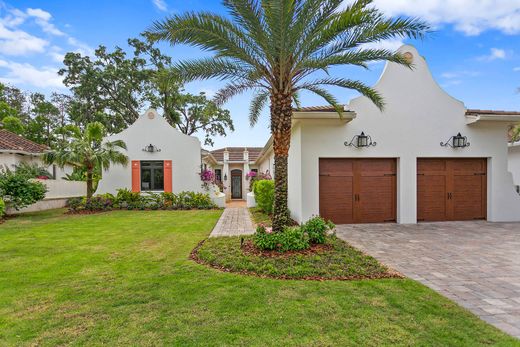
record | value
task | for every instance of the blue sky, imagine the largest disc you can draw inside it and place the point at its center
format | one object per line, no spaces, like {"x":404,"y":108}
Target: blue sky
{"x":474,"y":52}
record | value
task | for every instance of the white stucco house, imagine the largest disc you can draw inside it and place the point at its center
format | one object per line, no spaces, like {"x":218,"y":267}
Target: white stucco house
{"x":425,"y":157}
{"x":16,"y":150}
{"x":411,"y":166}
{"x":514,"y":163}
{"x":161,"y":158}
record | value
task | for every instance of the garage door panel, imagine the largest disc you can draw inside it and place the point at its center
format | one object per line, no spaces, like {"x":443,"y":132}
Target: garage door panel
{"x":336,"y":199}
{"x":376,"y":199}
{"x":431,"y":201}
{"x":467,"y":198}
{"x":457,"y":192}
{"x":337,"y":167}
{"x":357,"y":190}
{"x":429,"y":165}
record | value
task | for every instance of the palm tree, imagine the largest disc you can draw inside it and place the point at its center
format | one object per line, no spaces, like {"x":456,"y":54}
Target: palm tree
{"x":87,"y":151}
{"x":274,"y":46}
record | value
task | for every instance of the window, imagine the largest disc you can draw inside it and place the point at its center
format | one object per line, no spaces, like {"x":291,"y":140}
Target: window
{"x":152,"y":175}
{"x":218,"y":175}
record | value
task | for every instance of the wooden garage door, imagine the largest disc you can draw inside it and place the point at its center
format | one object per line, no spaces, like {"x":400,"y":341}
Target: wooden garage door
{"x":451,"y":189}
{"x":358,"y":190}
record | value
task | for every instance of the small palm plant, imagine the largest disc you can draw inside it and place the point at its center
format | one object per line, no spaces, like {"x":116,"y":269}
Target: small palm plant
{"x":87,"y":151}
{"x":275,"y":47}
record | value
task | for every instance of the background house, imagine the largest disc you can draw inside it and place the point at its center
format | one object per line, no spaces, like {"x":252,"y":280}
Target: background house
{"x":231,"y":166}
{"x":15,"y":150}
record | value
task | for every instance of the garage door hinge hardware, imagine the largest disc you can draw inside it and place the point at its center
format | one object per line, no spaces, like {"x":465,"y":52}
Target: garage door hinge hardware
{"x":392,"y":174}
{"x":480,"y":174}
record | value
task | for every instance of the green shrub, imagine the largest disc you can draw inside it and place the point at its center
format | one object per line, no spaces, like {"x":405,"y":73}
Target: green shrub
{"x":264,"y":195}
{"x":126,"y":199}
{"x":99,"y":203}
{"x":76,"y":204}
{"x":316,"y":228}
{"x":291,"y":239}
{"x":2,"y":208}
{"x":32,"y":170}
{"x":19,"y":191}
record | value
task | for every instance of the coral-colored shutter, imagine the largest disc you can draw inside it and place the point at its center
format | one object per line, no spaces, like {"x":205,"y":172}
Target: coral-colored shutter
{"x":168,"y":176}
{"x":136,"y":179}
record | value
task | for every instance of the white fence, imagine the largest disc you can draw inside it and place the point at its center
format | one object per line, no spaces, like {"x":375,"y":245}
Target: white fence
{"x":58,"y":191}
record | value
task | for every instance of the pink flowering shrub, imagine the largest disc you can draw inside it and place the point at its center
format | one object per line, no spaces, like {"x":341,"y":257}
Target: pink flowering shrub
{"x":208,"y":178}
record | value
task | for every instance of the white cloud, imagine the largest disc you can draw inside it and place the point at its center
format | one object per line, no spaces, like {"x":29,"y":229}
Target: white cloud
{"x":39,"y":13}
{"x":18,"y":42}
{"x":81,"y":47}
{"x":516,"y":69}
{"x":459,"y":74}
{"x":392,"y":44}
{"x":18,"y":73}
{"x":471,"y":17}
{"x":42,"y":18}
{"x":494,"y":54}
{"x":160,"y":4}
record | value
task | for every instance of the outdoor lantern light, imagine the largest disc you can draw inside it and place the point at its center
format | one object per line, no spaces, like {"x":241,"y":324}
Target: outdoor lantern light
{"x":360,"y":141}
{"x":151,"y":148}
{"x":225,"y":177}
{"x":457,"y":141}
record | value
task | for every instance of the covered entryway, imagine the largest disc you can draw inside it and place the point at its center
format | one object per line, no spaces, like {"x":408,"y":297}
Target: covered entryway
{"x":236,"y":184}
{"x":358,"y":190}
{"x":451,"y":189}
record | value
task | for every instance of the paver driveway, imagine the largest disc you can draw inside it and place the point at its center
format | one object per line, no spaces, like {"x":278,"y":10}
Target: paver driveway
{"x":476,"y":264}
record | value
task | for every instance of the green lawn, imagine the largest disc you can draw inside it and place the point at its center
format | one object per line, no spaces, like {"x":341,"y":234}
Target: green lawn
{"x":124,"y":278}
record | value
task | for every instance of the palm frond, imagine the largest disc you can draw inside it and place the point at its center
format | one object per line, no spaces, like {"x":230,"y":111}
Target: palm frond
{"x":257,"y":105}
{"x":362,"y":88}
{"x":329,"y":98}
{"x":207,"y":68}
{"x":232,"y":89}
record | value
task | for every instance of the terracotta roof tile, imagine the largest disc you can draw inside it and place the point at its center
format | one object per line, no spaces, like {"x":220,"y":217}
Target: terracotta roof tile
{"x":327,"y":108}
{"x":470,"y":112}
{"x":237,"y":153}
{"x":11,"y":142}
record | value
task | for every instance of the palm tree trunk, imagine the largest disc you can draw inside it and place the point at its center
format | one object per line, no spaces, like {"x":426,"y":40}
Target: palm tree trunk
{"x":281,"y":113}
{"x":90,"y":188}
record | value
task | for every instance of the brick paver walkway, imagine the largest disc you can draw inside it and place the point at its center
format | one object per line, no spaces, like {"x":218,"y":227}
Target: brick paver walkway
{"x":476,"y":264}
{"x":234,"y":221}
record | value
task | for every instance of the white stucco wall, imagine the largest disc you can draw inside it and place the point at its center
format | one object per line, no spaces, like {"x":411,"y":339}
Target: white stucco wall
{"x":514,"y":162}
{"x":417,"y":117}
{"x":267,"y":163}
{"x":11,"y":160}
{"x":184,"y":151}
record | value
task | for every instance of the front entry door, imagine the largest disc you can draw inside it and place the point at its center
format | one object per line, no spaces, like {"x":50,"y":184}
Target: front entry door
{"x":236,"y":184}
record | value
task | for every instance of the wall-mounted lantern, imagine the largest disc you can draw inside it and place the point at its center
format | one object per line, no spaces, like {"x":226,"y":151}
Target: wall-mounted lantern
{"x":151,"y":148}
{"x":457,"y":141}
{"x":225,"y":177}
{"x":360,"y":141}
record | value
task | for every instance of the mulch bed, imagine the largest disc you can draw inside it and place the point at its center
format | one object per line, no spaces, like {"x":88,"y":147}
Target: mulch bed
{"x":393,"y":274}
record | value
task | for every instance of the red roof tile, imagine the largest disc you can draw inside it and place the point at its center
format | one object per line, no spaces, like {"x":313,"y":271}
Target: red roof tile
{"x":471,"y":112}
{"x":11,"y":142}
{"x":237,"y":153}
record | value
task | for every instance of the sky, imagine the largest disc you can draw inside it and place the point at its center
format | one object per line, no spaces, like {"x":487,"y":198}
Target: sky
{"x":473,"y":51}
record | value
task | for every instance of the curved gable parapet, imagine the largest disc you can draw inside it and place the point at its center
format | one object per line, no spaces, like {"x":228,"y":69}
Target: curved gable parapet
{"x":413,"y":86}
{"x":152,"y":125}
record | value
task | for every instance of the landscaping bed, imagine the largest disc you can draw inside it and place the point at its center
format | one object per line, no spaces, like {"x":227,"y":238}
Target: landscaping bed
{"x":334,"y":260}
